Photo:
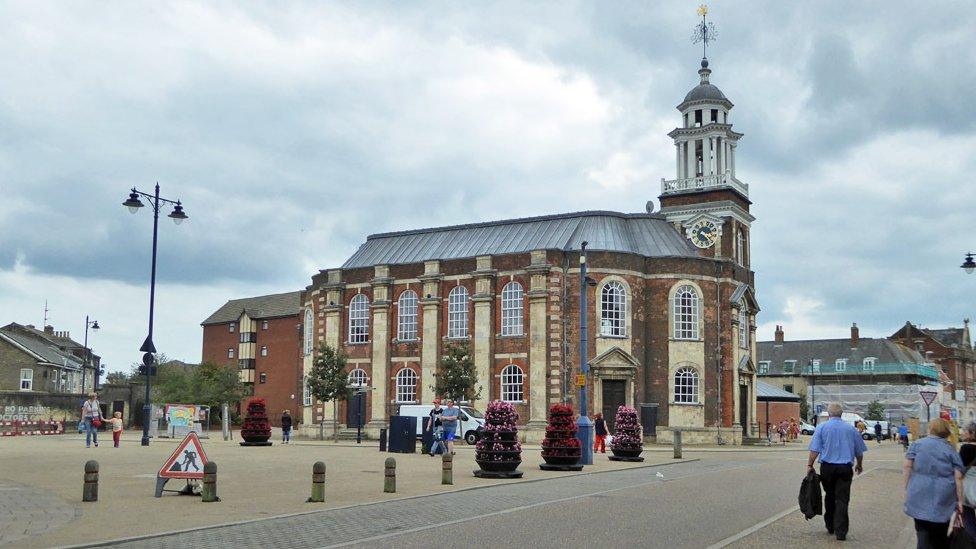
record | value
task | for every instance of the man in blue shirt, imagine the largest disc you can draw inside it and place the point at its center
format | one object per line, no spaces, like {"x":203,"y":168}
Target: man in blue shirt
{"x":839,"y":446}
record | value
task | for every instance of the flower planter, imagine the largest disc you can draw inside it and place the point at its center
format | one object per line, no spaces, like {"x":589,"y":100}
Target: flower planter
{"x":256,"y":430}
{"x":561,"y":450}
{"x":627,"y":442}
{"x":499,"y":452}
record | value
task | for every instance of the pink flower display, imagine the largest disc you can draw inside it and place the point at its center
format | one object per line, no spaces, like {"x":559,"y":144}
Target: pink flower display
{"x":500,"y":442}
{"x":627,"y":438}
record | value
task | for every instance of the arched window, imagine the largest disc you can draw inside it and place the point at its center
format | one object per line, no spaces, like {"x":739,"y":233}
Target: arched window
{"x":513,"y":384}
{"x":613,"y":310}
{"x":740,"y":248}
{"x":686,"y":312}
{"x":406,"y":385}
{"x":743,"y":328}
{"x":512,"y":297}
{"x":358,"y":378}
{"x":309,"y":331}
{"x":407,"y":316}
{"x":457,"y":312}
{"x":686,"y":386}
{"x":359,"y":319}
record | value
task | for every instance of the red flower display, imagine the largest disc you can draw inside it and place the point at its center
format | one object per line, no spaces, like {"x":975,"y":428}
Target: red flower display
{"x":628,"y":442}
{"x":560,"y":446}
{"x":256,"y":429}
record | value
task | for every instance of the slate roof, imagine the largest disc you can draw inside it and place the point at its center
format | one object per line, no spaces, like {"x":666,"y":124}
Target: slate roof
{"x":948,"y":336}
{"x":884,"y":351}
{"x":649,"y":235}
{"x":765,"y":391}
{"x":705,"y":91}
{"x":41,"y":347}
{"x":265,"y":306}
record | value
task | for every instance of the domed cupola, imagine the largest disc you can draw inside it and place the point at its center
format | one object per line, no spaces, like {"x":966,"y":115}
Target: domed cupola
{"x":705,"y":91}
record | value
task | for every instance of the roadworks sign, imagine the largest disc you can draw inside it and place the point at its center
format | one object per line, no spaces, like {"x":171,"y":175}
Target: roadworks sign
{"x":187,"y":461}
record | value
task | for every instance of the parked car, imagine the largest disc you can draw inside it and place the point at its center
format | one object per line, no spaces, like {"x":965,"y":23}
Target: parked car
{"x":472,"y":422}
{"x":869,"y":433}
{"x":806,"y":428}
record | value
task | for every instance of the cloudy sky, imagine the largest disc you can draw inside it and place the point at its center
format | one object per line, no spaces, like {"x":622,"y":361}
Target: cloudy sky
{"x":292,"y":130}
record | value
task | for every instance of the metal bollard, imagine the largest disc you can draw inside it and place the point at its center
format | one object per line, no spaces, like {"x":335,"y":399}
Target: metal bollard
{"x":389,"y":480}
{"x":382,"y":440}
{"x":677,"y":445}
{"x":209,"y":492}
{"x":447,"y":468}
{"x":90,"y":491}
{"x":318,"y":483}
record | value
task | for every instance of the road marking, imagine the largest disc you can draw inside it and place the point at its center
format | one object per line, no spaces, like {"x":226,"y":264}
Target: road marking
{"x":759,"y":526}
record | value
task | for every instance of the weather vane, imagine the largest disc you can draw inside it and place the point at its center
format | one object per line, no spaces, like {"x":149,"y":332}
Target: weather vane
{"x":704,"y":31}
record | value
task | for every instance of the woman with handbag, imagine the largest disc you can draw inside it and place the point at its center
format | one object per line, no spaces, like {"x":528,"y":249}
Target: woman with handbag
{"x":91,"y":416}
{"x":967,"y":452}
{"x":933,"y":485}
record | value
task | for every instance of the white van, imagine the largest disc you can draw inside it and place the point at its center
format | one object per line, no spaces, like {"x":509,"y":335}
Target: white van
{"x":470,"y":429}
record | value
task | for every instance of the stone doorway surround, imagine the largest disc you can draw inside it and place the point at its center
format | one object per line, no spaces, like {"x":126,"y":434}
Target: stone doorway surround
{"x":614,"y":363}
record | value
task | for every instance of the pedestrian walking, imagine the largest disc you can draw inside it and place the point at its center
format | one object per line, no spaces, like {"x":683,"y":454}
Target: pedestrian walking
{"x":116,"y":423}
{"x":794,"y":429}
{"x":784,"y":427}
{"x":903,"y":435}
{"x":600,"y":430}
{"x":437,"y":428}
{"x":285,"y":427}
{"x":91,"y":416}
{"x":933,"y":485}
{"x":967,"y":453}
{"x":449,"y":419}
{"x":841,"y":452}
{"x":877,"y":431}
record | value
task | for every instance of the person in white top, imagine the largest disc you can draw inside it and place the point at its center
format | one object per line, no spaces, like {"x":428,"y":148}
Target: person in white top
{"x":91,"y":417}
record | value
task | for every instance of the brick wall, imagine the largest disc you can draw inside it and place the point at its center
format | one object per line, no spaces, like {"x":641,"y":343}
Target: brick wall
{"x":778,"y":411}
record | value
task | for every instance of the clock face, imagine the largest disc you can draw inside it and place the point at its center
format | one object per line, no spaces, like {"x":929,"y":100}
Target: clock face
{"x":703,"y":233}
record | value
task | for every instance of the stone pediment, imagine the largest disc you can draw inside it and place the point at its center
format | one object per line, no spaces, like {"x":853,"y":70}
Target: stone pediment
{"x":614,"y":358}
{"x":746,"y":365}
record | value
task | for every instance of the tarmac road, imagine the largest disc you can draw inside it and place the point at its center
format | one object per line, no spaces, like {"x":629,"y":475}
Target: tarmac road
{"x":740,"y":499}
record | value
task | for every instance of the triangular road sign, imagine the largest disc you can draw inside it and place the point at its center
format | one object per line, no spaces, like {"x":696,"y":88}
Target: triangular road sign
{"x":187,"y":461}
{"x":927,"y":396}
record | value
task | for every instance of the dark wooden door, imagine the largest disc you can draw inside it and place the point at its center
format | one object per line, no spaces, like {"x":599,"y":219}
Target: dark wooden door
{"x":744,"y":409}
{"x":614,"y":396}
{"x":356,"y":410}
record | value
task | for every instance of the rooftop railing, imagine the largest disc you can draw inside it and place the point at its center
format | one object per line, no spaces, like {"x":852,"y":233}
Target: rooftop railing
{"x":702,"y":183}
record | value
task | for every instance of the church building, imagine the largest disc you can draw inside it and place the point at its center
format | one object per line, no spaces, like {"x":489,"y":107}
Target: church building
{"x":671,"y":303}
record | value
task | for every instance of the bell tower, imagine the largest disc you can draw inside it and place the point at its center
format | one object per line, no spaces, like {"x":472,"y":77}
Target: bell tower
{"x":706,"y":200}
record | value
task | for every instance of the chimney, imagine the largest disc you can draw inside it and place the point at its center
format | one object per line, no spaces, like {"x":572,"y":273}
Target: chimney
{"x":855,"y":335}
{"x":779,"y":334}
{"x":49,"y":330}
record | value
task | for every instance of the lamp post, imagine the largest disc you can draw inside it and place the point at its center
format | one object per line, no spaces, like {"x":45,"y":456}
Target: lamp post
{"x":177,"y":215}
{"x":93,"y":324}
{"x":584,"y":426}
{"x":969,"y":265}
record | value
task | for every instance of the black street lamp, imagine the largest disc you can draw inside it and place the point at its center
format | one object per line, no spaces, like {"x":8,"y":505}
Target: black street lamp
{"x":969,"y":265}
{"x":177,"y":215}
{"x":584,"y":426}
{"x":93,"y":324}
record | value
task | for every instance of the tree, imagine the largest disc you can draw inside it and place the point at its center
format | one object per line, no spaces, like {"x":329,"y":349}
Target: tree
{"x":804,"y":406}
{"x":457,"y":377}
{"x":327,"y":380}
{"x":117,"y":378}
{"x":214,"y":384}
{"x":876,"y":411}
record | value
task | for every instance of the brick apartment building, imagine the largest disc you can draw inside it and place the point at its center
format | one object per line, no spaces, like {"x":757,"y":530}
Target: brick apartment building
{"x":671,"y":314}
{"x":261,"y":336}
{"x":952,"y":351}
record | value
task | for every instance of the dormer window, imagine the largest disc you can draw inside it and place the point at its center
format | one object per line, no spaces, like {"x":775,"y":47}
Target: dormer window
{"x":815,"y":365}
{"x":763,"y":367}
{"x":868,"y":364}
{"x":840,"y":365}
{"x":789,"y":366}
